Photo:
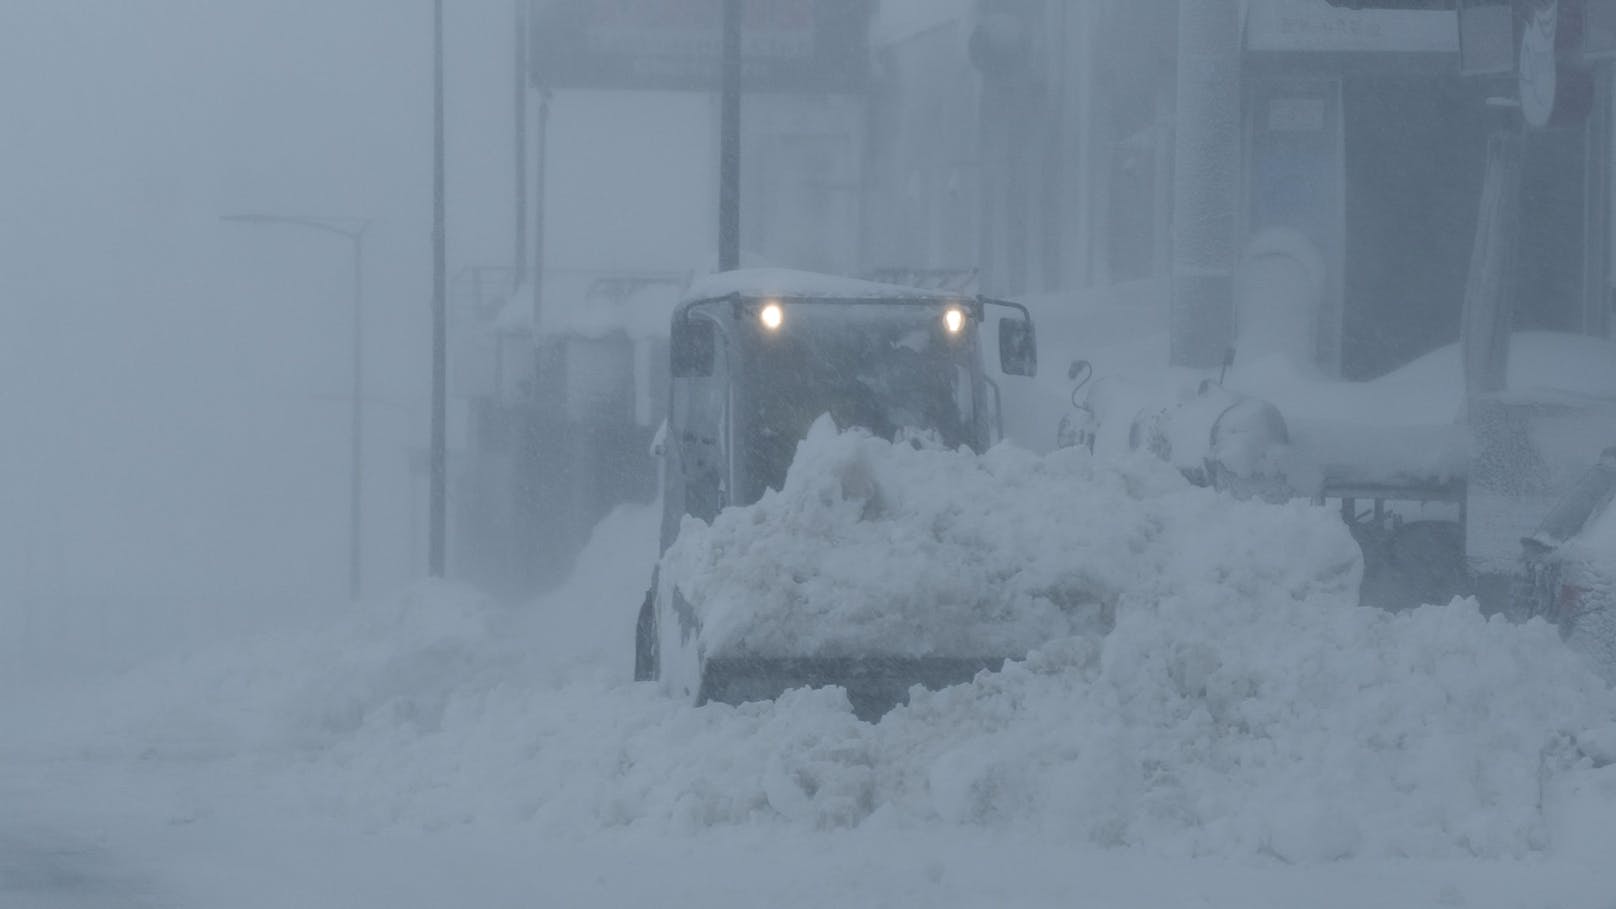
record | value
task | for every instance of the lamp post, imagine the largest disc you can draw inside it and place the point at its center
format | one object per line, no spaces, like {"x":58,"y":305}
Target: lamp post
{"x":354,"y":230}
{"x":437,"y":496}
{"x":729,"y":142}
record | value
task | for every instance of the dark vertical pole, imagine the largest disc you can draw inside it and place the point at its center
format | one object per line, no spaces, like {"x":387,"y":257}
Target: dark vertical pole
{"x":519,"y":99}
{"x":437,"y":544}
{"x":1206,"y":183}
{"x":356,"y":477}
{"x":729,"y":143}
{"x":542,"y":140}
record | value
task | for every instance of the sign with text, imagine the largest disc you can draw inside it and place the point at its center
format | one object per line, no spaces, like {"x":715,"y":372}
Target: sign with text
{"x":786,"y":45}
{"x":1301,"y":26}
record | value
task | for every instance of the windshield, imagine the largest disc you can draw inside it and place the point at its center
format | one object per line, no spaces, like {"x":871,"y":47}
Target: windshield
{"x":899,"y":375}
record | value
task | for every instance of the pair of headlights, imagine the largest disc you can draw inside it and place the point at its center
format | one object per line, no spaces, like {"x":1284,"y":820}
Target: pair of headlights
{"x":772,"y":315}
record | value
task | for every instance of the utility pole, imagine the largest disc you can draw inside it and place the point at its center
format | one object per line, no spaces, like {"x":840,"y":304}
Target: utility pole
{"x":1206,"y":182}
{"x":729,"y":143}
{"x":356,"y":417}
{"x":519,"y":98}
{"x":542,"y":140}
{"x":437,"y":549}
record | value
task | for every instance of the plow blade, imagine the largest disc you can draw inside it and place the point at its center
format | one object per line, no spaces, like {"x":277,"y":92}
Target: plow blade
{"x":874,"y":684}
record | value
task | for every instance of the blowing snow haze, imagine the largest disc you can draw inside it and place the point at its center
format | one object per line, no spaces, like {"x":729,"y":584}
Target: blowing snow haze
{"x":163,"y":370}
{"x":1147,"y":453}
{"x":176,"y":386}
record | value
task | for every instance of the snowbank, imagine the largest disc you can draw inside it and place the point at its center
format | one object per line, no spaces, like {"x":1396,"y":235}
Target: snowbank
{"x":1241,"y":702}
{"x":880,"y":548}
{"x":595,"y":304}
{"x":1240,"y":705}
{"x":1430,"y":390}
{"x":1403,"y":428}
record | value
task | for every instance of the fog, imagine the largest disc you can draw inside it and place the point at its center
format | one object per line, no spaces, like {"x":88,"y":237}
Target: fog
{"x":163,"y":368}
{"x":1319,"y":429}
{"x":175,"y":386}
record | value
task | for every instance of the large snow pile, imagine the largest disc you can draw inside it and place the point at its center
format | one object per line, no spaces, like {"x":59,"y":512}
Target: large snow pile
{"x":909,"y":550}
{"x":1406,"y":425}
{"x":1211,"y":723}
{"x":1239,"y":705}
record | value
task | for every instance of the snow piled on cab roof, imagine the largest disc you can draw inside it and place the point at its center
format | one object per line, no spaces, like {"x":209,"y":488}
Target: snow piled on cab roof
{"x":1240,"y":704}
{"x":785,"y":282}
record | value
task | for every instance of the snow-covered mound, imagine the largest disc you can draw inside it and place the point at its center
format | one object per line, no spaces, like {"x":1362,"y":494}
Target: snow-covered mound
{"x":875,"y":547}
{"x":1239,"y":705}
{"x":1208,"y":725}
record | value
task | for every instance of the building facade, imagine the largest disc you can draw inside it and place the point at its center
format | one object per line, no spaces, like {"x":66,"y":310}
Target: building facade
{"x":1043,"y":143}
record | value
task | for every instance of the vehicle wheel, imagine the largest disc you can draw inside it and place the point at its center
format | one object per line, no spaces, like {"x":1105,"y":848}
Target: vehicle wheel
{"x":1431,"y":555}
{"x":645,"y":641}
{"x":1420,"y":562}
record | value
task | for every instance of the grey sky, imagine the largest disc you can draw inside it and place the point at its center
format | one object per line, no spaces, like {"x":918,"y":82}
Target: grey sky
{"x":171,"y":384}
{"x":162,"y":371}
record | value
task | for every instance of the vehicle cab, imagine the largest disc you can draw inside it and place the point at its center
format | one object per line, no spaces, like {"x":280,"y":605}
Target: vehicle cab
{"x":757,"y":356}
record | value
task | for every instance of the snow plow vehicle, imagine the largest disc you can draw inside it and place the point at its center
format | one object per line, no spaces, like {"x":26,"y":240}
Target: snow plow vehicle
{"x":756,"y":358}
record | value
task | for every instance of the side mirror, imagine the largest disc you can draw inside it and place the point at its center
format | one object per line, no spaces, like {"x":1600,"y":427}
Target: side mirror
{"x":692,"y":347}
{"x":1018,"y":347}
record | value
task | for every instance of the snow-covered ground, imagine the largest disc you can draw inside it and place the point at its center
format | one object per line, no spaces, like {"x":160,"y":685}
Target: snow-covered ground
{"x":1244,"y":735}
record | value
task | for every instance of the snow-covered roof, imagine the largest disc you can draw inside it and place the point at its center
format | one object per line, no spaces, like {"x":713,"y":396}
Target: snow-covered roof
{"x":1404,"y":427}
{"x":593,"y":304}
{"x":1399,"y":429}
{"x":785,"y":282}
{"x":1221,"y":684}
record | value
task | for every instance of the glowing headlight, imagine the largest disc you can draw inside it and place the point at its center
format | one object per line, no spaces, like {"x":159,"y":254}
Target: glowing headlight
{"x":771,"y":315}
{"x":954,"y":319}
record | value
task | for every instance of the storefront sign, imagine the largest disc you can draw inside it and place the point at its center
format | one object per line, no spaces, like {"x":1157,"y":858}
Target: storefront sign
{"x":1310,"y":25}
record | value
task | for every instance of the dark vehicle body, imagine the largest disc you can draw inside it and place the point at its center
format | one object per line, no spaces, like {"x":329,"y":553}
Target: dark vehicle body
{"x":751,"y":370}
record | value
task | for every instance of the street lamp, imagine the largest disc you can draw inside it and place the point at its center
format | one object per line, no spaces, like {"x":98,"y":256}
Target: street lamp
{"x":354,"y":230}
{"x":437,"y":496}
